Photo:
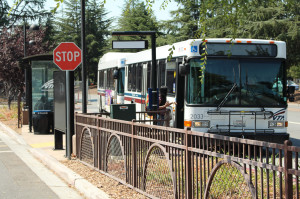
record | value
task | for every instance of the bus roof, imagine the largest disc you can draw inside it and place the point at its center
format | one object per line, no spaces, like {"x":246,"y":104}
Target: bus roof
{"x":112,"y":59}
{"x":188,"y":48}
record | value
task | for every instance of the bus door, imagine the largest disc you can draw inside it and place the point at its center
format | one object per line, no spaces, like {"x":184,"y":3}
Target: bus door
{"x":179,"y":96}
{"x":102,"y":102}
{"x":144,"y":87}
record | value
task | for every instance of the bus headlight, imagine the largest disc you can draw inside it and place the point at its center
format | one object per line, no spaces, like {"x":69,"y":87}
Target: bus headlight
{"x":274,"y":124}
{"x":201,"y":124}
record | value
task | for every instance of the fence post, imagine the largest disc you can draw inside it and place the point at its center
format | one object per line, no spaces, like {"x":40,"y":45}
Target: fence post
{"x":288,"y":158}
{"x":133,"y":152}
{"x":99,"y":143}
{"x":77,"y":140}
{"x":188,"y":158}
{"x":19,"y":111}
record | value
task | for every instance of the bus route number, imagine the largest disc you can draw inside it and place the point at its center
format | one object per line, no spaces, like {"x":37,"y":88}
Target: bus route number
{"x":196,"y":116}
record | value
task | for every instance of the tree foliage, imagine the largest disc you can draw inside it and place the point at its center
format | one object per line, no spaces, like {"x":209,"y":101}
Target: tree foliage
{"x":3,"y":14}
{"x":12,"y":41}
{"x":136,"y":17}
{"x":97,"y":32}
{"x":68,"y":28}
{"x":26,"y":10}
{"x":11,"y":51}
{"x":184,"y":23}
{"x":276,"y":20}
{"x":273,"y":19}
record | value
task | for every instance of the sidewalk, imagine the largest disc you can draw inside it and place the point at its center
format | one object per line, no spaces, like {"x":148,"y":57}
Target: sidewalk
{"x":41,"y":146}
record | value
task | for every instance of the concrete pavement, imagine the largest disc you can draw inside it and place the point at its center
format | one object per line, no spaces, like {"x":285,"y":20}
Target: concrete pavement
{"x":41,"y":147}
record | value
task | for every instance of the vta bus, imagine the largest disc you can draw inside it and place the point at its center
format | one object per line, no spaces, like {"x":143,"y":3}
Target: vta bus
{"x":240,"y":91}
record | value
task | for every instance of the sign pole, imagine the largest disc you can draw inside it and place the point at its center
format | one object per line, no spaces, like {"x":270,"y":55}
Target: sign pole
{"x":68,"y":106}
{"x":83,"y":64}
{"x":67,"y":56}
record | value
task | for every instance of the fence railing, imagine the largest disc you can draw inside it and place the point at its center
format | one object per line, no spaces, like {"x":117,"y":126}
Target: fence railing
{"x":163,"y":162}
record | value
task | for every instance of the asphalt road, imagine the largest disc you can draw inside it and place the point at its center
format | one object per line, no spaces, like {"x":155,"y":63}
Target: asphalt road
{"x":18,"y":180}
{"x":294,"y":123}
{"x":23,"y":176}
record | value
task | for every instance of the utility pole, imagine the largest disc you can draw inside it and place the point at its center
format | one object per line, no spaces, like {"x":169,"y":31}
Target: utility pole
{"x":83,"y":64}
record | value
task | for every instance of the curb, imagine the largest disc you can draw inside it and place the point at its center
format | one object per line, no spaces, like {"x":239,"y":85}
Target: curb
{"x":82,"y":185}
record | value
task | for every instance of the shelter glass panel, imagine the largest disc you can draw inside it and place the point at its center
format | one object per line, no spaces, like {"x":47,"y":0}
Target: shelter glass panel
{"x":42,"y":85}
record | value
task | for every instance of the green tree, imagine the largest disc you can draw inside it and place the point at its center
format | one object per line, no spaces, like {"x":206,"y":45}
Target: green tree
{"x":11,"y":51}
{"x":136,"y":17}
{"x":264,"y":20}
{"x":3,"y":14}
{"x":185,"y":21}
{"x":68,"y":23}
{"x":97,"y":26}
{"x":97,"y":32}
{"x":28,"y":10}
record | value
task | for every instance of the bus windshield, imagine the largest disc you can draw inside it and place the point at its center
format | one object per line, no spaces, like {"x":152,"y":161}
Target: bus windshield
{"x":257,"y":83}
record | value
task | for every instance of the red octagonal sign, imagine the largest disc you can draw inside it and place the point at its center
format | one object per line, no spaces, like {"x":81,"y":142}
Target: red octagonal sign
{"x":67,"y":56}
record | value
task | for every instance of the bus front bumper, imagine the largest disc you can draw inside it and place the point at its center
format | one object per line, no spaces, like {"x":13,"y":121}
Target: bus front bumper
{"x":267,"y":137}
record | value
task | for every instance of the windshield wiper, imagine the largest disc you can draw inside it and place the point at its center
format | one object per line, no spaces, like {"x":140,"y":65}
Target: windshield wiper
{"x":226,"y":97}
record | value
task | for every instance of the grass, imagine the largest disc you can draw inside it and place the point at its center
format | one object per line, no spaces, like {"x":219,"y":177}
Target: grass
{"x":10,"y":116}
{"x":7,"y":114}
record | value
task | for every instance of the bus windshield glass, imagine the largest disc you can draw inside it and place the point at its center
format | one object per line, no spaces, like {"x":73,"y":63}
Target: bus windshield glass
{"x":258,"y":82}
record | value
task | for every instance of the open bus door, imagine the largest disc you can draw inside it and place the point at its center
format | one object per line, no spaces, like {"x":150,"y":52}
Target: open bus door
{"x":179,"y":96}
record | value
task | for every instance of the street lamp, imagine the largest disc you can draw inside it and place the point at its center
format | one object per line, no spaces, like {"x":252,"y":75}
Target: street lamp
{"x":27,"y":86}
{"x":31,"y":42}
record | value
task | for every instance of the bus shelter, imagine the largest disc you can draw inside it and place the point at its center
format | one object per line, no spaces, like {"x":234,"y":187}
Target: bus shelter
{"x":39,"y":92}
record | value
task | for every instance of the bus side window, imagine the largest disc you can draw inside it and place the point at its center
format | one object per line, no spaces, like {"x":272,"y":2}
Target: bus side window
{"x":129,"y":77}
{"x":105,"y":79}
{"x":133,"y":76}
{"x":148,"y":75}
{"x":171,"y":77}
{"x":112,"y":80}
{"x":139,"y":74}
{"x":162,"y":70}
{"x":101,"y":79}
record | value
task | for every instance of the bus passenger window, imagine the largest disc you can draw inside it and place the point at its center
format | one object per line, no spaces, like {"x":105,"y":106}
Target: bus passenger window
{"x":171,"y":77}
{"x":148,"y":75}
{"x":129,"y":77}
{"x":109,"y":79}
{"x":133,"y":80}
{"x":101,"y":79}
{"x":162,"y":70}
{"x":112,"y":81}
{"x":139,"y":74}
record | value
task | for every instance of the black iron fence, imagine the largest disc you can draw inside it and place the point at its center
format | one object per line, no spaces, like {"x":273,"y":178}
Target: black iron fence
{"x":163,"y":162}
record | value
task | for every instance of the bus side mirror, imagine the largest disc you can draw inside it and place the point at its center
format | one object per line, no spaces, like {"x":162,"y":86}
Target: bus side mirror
{"x":184,"y":69}
{"x":116,"y":74}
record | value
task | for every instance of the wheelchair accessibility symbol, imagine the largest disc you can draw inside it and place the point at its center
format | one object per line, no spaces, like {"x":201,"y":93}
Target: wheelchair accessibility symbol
{"x":194,"y":49}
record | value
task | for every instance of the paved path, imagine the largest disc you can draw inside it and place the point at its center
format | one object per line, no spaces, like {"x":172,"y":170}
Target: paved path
{"x":22,"y":176}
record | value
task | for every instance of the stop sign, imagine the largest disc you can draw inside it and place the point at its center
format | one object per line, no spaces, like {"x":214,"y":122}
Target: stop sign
{"x":67,"y":56}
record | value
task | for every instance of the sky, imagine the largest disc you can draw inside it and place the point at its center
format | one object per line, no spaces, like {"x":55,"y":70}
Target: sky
{"x":114,"y":8}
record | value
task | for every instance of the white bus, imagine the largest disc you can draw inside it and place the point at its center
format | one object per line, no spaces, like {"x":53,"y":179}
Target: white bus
{"x":240,"y":91}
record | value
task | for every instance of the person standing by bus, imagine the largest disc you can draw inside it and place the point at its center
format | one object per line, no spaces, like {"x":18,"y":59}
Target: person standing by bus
{"x":163,"y":104}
